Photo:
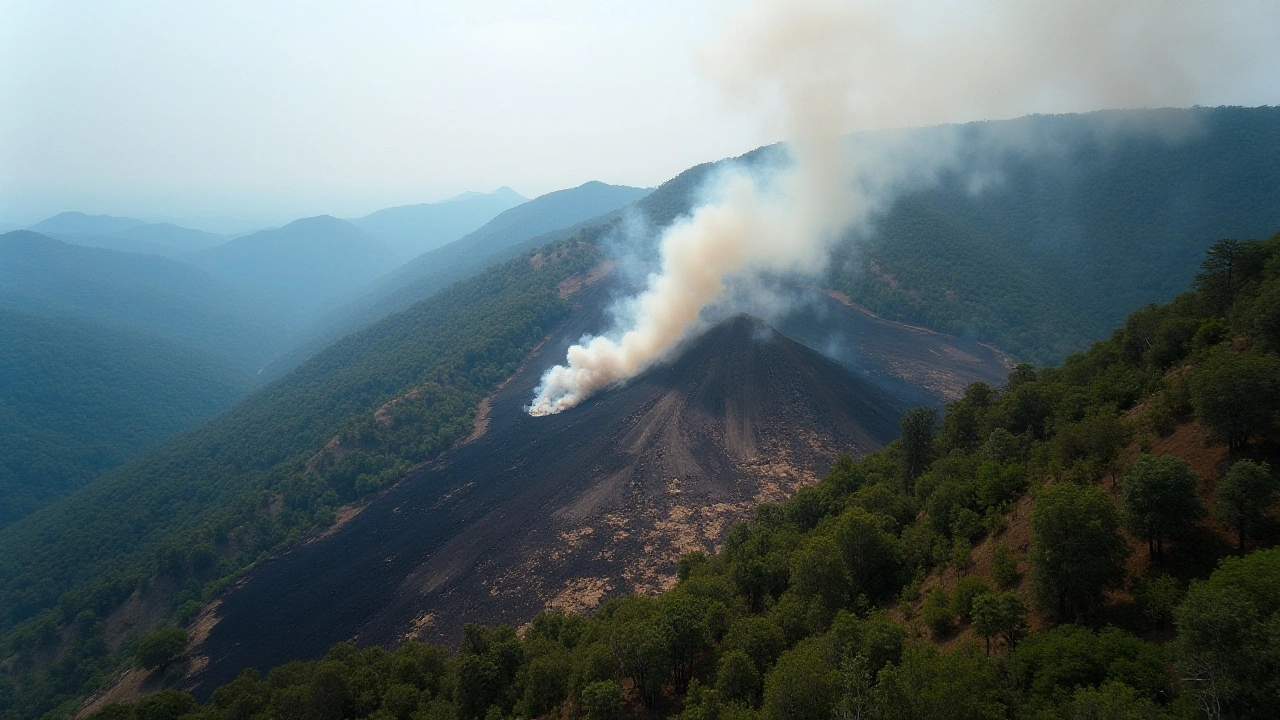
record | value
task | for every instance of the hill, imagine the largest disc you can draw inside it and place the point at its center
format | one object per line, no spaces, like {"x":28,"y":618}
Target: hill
{"x":155,"y":295}
{"x":307,"y":265}
{"x":77,"y":399}
{"x":126,"y":234}
{"x":670,"y":460}
{"x":545,"y":219}
{"x":409,"y":230}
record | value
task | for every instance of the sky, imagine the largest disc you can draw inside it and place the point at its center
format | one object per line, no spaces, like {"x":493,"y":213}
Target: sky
{"x":217,"y":113}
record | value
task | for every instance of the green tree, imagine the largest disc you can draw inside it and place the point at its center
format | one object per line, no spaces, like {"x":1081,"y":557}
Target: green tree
{"x":1004,"y":566}
{"x":602,"y":700}
{"x":164,"y":705}
{"x":918,"y":428}
{"x":1243,"y":497}
{"x":1158,"y":598}
{"x":1000,"y":616}
{"x":937,"y":612}
{"x":1077,"y":552}
{"x":1159,"y":496}
{"x":802,"y":686}
{"x":1219,"y":274}
{"x":737,"y":679}
{"x":160,"y":647}
{"x":1236,"y":395}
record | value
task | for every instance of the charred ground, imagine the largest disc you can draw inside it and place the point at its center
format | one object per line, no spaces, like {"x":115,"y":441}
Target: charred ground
{"x":564,"y":511}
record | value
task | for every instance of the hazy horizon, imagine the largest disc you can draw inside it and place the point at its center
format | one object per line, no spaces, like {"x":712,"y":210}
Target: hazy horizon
{"x":232,"y":118}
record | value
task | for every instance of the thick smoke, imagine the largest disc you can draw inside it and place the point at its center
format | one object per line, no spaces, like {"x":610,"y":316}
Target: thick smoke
{"x":822,"y":68}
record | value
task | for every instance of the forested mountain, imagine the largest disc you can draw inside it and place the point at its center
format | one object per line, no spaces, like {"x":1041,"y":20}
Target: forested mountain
{"x":1091,"y":541}
{"x":306,"y":266}
{"x":409,"y":230}
{"x":1105,"y":214}
{"x":151,"y":294}
{"x":545,"y":219}
{"x":78,"y":398}
{"x":1048,"y":230}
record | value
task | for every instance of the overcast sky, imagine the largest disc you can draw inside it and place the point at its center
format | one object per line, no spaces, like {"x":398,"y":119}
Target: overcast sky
{"x":268,"y":111}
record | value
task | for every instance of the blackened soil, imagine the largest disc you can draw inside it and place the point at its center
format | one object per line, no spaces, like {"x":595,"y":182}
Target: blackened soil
{"x":564,"y":511}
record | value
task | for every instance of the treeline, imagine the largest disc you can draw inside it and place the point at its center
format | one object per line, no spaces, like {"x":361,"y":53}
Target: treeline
{"x":195,"y":512}
{"x":861,"y":596}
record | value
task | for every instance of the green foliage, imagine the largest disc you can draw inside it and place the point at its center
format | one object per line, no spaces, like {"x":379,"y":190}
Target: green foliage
{"x":1159,"y":496}
{"x":1000,"y":616}
{"x":159,"y":647}
{"x":1066,"y":244}
{"x":1236,"y":395}
{"x":937,"y":612}
{"x":602,"y":700}
{"x":1245,"y":492}
{"x":1004,"y":566}
{"x":77,"y":399}
{"x":1228,"y":643}
{"x":1077,"y":553}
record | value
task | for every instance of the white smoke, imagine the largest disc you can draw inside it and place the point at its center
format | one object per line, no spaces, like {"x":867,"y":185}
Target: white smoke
{"x":823,"y":68}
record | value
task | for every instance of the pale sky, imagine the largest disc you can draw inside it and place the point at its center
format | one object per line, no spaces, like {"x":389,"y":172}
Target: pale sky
{"x":267,"y":111}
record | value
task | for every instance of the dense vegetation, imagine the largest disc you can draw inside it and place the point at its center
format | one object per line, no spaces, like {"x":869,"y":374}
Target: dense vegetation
{"x":192,"y":513}
{"x":148,"y":293}
{"x":78,"y":398}
{"x":866,"y":596}
{"x":1109,"y":212}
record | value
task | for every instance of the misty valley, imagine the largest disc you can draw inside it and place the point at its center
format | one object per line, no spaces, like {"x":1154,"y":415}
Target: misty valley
{"x":932,"y":405}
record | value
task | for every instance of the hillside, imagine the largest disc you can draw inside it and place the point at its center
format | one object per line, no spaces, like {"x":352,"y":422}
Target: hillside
{"x":182,"y":520}
{"x":77,"y":399}
{"x":150,"y":294}
{"x":669,"y":461}
{"x":409,"y":230}
{"x":545,"y":219}
{"x":1073,"y":237}
{"x":1079,"y":220}
{"x":1094,"y":540}
{"x":308,"y":265}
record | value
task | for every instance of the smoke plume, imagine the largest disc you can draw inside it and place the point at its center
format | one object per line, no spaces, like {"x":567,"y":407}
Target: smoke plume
{"x":822,"y":68}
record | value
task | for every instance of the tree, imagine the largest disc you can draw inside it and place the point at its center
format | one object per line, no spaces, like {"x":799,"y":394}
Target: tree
{"x":1077,"y":552}
{"x":802,"y":686}
{"x":602,"y":700}
{"x":999,"y":616}
{"x":160,"y":647}
{"x":1004,"y":566}
{"x":918,"y":427}
{"x":737,"y":679}
{"x":1236,"y":395}
{"x":1227,"y":265}
{"x":1159,"y":496}
{"x":1243,"y":497}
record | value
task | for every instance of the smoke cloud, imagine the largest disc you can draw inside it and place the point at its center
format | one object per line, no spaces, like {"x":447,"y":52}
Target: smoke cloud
{"x":819,"y":69}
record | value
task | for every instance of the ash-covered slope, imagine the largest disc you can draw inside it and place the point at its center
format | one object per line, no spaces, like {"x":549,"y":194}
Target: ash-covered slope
{"x":561,"y":511}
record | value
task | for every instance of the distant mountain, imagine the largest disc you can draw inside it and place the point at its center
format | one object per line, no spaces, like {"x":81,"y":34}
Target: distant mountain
{"x":307,"y":265}
{"x":409,"y":230}
{"x":44,"y":276}
{"x":78,"y":223}
{"x":547,"y":218}
{"x":78,"y":398}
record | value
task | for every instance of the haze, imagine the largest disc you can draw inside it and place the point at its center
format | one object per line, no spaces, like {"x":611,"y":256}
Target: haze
{"x":211,"y":114}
